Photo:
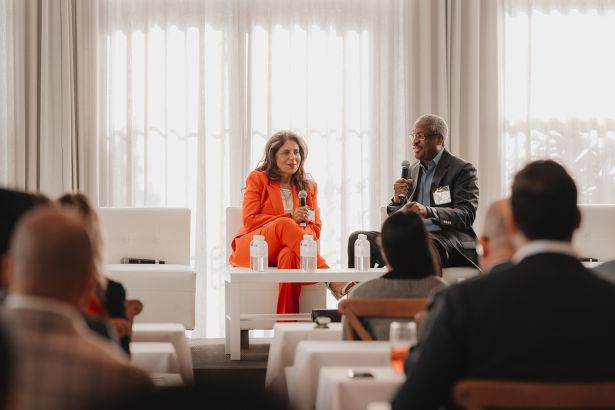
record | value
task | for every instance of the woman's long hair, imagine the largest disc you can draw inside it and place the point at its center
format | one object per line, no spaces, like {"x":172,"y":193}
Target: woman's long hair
{"x":268,"y":163}
{"x":83,"y":206}
{"x":406,"y":246}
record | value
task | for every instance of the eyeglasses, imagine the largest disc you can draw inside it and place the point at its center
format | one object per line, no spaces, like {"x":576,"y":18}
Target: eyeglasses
{"x":420,"y":136}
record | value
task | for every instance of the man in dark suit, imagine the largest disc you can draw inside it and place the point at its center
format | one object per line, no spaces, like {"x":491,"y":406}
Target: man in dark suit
{"x":442,"y":189}
{"x":547,"y":318}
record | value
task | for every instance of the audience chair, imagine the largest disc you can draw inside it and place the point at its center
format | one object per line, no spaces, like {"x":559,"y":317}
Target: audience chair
{"x":166,"y":290}
{"x":505,"y":394}
{"x":353,"y":309}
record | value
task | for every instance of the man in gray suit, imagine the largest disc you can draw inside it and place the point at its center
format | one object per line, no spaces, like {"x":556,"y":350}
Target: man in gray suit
{"x":59,"y":363}
{"x":442,"y":189}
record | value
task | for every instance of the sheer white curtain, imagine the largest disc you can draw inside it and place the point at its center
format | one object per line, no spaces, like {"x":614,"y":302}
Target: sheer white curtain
{"x":558,"y":87}
{"x":46,"y":121}
{"x":191,"y":90}
{"x":474,"y":93}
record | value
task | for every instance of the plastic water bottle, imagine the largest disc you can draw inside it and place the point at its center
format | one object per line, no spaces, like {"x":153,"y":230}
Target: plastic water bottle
{"x":361,"y":253}
{"x":307,"y":253}
{"x":259,"y":252}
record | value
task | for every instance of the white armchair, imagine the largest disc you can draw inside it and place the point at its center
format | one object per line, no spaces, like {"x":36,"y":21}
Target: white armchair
{"x":261,"y":298}
{"x":595,"y":238}
{"x":166,"y":290}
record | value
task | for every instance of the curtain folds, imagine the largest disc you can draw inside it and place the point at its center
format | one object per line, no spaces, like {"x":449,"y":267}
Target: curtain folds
{"x":170,"y":102}
{"x":473,"y":66}
{"x":557,"y":88}
{"x":191,"y":91}
{"x":48,"y":125}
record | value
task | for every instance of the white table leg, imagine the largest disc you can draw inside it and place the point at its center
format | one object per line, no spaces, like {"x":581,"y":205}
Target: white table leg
{"x":227,"y":312}
{"x":235,"y":323}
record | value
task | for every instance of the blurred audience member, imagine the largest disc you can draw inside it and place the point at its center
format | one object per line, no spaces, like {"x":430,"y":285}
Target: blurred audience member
{"x":108,"y":297}
{"x":405,"y":248}
{"x":59,"y":363}
{"x":546,"y":318}
{"x":13,"y":204}
{"x":6,"y":365}
{"x":497,"y":238}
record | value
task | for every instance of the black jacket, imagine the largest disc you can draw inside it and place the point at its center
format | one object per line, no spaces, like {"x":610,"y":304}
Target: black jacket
{"x":547,"y":318}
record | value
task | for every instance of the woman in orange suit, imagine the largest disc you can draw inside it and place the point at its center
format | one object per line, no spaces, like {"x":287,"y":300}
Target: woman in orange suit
{"x":271,"y":208}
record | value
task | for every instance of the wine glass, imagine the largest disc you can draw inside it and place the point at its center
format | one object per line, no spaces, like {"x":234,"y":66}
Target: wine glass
{"x":402,"y":337}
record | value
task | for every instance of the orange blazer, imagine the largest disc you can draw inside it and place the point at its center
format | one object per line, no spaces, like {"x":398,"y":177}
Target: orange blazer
{"x":262,"y":203}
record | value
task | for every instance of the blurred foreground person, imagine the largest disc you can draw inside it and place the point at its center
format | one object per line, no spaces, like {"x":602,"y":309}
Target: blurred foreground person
{"x":59,"y":362}
{"x":547,"y":318}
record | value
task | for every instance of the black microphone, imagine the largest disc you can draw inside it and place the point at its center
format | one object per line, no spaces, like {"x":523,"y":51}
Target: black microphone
{"x":405,"y":171}
{"x":302,"y":203}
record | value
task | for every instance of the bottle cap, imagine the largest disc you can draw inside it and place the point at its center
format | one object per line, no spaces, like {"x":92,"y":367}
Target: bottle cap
{"x":362,"y":236}
{"x":259,"y":237}
{"x":308,"y":236}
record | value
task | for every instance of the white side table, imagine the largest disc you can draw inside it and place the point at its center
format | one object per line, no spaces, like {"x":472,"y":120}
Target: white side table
{"x":284,"y":344}
{"x":235,"y":278}
{"x":154,"y":357}
{"x":311,"y":356}
{"x":174,"y":333}
{"x":336,"y":391}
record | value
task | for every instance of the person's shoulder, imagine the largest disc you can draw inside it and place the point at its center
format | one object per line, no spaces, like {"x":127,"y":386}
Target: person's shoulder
{"x":369,"y":288}
{"x":257,"y":177}
{"x":312,"y":187}
{"x":456,"y":161}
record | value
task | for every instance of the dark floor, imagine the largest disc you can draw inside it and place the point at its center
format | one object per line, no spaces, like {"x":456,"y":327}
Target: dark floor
{"x":210,"y":363}
{"x":243,"y":380}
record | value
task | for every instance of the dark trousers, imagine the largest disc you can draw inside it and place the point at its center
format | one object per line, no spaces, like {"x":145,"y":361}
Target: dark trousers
{"x":448,"y":254}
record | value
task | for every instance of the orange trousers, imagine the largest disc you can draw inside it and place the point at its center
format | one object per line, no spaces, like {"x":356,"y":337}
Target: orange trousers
{"x":283,"y":237}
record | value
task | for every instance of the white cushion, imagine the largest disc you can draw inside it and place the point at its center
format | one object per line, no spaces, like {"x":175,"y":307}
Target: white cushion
{"x":167,"y":291}
{"x":595,"y":238}
{"x":152,"y":233}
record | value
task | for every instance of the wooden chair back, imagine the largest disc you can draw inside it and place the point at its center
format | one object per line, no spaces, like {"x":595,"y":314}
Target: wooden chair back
{"x":353,"y":309}
{"x":505,"y":394}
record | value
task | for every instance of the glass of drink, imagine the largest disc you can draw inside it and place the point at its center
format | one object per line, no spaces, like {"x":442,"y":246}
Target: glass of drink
{"x":402,"y":337}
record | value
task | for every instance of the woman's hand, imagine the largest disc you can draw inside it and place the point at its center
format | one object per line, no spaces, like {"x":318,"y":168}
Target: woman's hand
{"x":300,"y":214}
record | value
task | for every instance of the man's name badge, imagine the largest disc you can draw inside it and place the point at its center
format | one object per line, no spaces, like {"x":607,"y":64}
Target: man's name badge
{"x":442,"y":195}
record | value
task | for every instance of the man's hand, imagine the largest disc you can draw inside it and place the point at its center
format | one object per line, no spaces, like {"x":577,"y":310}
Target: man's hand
{"x":400,"y":187}
{"x":417,"y":208}
{"x":300,"y":214}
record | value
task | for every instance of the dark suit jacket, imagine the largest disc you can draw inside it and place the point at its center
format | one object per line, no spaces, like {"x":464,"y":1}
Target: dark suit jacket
{"x":545,"y":319}
{"x":456,"y":217}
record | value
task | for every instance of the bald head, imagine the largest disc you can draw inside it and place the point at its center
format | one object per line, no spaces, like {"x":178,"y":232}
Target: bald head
{"x":52,"y":256}
{"x":497,"y":237}
{"x":498,"y":222}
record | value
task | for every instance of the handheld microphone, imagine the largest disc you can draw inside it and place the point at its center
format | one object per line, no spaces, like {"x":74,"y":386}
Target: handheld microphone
{"x":302,"y":202}
{"x":405,"y":171}
{"x":140,"y":261}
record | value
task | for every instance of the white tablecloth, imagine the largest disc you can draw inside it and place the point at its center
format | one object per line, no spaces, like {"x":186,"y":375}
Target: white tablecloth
{"x":312,"y":355}
{"x":174,"y":333}
{"x":336,"y":391}
{"x":154,"y":357}
{"x":286,"y":337}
